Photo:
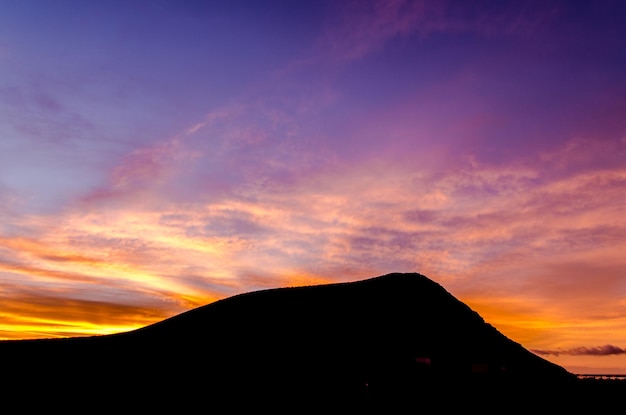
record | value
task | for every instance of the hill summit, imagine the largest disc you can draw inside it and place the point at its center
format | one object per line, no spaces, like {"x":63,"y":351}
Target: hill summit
{"x":394,"y":339}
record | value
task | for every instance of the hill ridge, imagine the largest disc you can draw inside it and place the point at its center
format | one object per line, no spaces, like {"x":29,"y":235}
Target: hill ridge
{"x":389,"y":338}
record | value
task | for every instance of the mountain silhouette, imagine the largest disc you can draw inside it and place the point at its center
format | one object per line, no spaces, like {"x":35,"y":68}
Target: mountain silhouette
{"x":395,"y":341}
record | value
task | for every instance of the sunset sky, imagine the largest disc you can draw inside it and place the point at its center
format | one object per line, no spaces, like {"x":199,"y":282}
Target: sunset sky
{"x":156,"y":156}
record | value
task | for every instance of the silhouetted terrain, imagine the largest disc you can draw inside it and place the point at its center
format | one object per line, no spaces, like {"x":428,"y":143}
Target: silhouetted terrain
{"x":397,"y":341}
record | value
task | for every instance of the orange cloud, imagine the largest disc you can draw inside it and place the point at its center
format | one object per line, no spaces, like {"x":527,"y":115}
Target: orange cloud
{"x":38,"y":316}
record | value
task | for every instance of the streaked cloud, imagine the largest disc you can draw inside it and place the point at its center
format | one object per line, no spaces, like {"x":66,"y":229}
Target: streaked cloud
{"x":357,"y":29}
{"x":605,"y":350}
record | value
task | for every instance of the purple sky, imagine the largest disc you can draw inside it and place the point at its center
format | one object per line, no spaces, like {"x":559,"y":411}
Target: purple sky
{"x":157,"y":156}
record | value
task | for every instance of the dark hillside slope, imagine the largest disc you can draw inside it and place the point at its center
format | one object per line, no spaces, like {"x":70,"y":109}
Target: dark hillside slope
{"x":396,"y":339}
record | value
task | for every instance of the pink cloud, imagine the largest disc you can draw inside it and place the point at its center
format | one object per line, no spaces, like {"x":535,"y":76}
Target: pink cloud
{"x":362,"y":27}
{"x":141,"y":173}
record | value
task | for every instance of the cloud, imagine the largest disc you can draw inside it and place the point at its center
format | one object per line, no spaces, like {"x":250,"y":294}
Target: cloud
{"x":360,"y":28}
{"x":35,"y":315}
{"x":142,"y":169}
{"x":468,"y":222}
{"x":605,"y":350}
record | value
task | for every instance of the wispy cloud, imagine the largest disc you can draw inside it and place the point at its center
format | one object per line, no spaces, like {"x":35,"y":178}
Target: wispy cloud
{"x":360,"y":28}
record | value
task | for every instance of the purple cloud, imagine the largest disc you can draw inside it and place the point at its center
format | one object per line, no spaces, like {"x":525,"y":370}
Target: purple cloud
{"x":606,"y":350}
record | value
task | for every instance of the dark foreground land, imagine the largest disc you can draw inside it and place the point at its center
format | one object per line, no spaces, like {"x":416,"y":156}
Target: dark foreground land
{"x":398,"y":343}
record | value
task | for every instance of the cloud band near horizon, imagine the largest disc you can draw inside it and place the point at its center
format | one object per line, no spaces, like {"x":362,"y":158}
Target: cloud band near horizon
{"x":605,"y":350}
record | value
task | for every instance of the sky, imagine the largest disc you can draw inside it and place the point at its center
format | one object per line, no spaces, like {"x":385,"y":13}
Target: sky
{"x":156,"y":156}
